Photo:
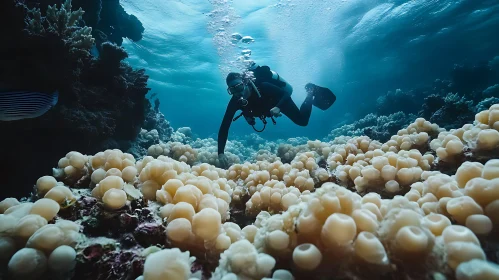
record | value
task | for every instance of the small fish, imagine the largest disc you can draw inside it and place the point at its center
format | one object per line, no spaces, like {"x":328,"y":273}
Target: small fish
{"x":18,"y":105}
{"x":94,"y":51}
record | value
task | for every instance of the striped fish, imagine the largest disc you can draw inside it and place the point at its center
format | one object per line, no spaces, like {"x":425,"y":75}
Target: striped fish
{"x":18,"y":105}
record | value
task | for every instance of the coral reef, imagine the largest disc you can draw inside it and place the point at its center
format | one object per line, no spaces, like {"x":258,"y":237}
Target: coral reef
{"x":352,"y":208}
{"x":61,"y":22}
{"x":101,"y":100}
{"x":411,"y":194}
{"x":376,"y":127}
{"x":155,"y":130}
{"x":117,"y":24}
{"x":144,"y":140}
{"x":450,"y":103}
{"x":408,"y":102}
{"x":156,"y":120}
{"x":453,"y":111}
{"x":106,"y":18}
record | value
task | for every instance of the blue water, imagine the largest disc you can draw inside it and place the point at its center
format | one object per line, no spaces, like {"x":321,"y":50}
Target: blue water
{"x":360,"y":49}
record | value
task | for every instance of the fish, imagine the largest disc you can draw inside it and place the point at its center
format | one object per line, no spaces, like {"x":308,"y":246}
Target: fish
{"x":94,"y":51}
{"x":25,"y":104}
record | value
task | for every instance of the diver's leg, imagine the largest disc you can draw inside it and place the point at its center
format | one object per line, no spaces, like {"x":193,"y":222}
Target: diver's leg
{"x":298,"y":116}
{"x":289,"y":108}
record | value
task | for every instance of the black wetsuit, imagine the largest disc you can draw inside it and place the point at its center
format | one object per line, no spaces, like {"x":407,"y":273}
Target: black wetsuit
{"x":272,"y":95}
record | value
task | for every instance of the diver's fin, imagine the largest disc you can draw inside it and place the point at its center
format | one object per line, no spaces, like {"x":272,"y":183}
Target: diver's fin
{"x":323,"y":97}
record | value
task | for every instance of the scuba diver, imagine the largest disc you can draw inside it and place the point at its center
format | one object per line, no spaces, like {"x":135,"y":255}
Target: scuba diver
{"x":262,"y":93}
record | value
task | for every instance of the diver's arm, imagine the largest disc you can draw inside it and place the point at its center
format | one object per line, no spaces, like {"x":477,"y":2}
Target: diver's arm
{"x":223,"y":132}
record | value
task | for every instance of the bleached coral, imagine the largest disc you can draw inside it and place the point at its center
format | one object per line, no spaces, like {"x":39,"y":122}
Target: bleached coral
{"x":480,"y":138}
{"x":337,"y":209}
{"x":72,"y":167}
{"x":175,"y":150}
{"x":244,"y":262}
{"x":29,"y":244}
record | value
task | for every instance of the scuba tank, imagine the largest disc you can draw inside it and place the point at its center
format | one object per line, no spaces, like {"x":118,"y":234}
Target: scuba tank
{"x":287,"y":87}
{"x":265,"y":74}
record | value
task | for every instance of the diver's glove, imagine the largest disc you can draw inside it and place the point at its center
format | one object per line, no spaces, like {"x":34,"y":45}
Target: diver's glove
{"x":224,"y":161}
{"x":250,"y":120}
{"x":275,"y":112}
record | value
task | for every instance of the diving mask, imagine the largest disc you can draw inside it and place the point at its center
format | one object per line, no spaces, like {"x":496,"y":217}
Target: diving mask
{"x":238,"y":91}
{"x":235,"y":89}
